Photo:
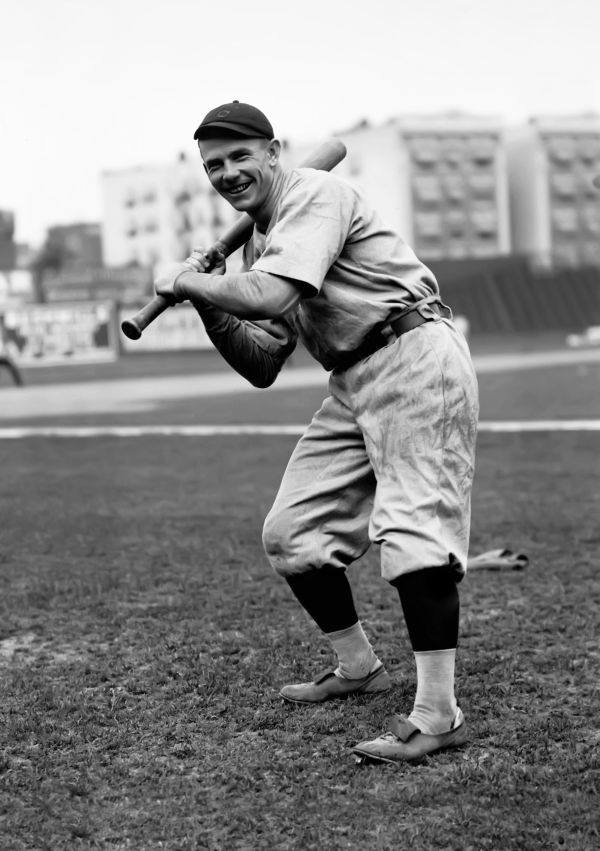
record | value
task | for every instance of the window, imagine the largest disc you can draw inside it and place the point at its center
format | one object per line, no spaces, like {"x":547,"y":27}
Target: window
{"x":588,"y":188}
{"x":425,"y":150}
{"x":590,"y":217}
{"x":482,"y":184}
{"x":184,"y":247}
{"x":588,"y":148}
{"x":563,"y":185}
{"x":561,"y":149}
{"x":454,"y":188}
{"x":454,"y":151}
{"x":456,"y":223}
{"x":457,"y":249}
{"x":565,"y":219}
{"x":428,"y":224}
{"x":182,"y":197}
{"x":427,"y":189}
{"x":484,"y":224}
{"x":482,"y":150}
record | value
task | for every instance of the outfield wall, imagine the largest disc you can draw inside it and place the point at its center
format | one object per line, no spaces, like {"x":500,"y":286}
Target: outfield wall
{"x":500,"y":298}
{"x":510,"y":297}
{"x":54,"y":334}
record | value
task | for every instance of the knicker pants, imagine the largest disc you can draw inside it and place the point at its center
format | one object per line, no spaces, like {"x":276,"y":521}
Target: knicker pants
{"x":388,"y":459}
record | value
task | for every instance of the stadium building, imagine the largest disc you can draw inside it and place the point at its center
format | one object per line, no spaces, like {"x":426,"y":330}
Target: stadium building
{"x":555,"y":215}
{"x":157,"y":213}
{"x":440,"y":180}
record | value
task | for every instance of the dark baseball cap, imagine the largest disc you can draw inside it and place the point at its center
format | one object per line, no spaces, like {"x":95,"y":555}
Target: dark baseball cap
{"x":242,"y":119}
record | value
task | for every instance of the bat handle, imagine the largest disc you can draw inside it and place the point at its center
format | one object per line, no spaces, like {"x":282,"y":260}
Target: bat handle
{"x":134,"y":327}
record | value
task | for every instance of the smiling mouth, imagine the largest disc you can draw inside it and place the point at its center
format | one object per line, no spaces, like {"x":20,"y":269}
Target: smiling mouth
{"x":241,"y":187}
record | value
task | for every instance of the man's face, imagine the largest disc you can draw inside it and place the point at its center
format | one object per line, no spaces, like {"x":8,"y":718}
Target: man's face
{"x":241,"y":170}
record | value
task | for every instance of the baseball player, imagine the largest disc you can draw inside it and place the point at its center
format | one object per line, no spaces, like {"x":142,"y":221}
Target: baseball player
{"x":388,"y":459}
{"x":6,"y":359}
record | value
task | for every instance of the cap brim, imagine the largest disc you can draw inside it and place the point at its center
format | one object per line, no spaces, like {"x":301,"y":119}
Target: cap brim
{"x":207,"y":130}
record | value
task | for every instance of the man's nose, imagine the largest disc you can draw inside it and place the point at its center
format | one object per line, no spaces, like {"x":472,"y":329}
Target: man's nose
{"x":230,"y":171}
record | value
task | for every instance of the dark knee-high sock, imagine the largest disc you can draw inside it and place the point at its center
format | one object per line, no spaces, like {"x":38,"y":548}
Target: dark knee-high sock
{"x":326,"y":596}
{"x":431,"y":607}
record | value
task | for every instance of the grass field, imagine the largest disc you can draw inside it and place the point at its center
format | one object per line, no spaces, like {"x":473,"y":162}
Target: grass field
{"x":143,"y":640}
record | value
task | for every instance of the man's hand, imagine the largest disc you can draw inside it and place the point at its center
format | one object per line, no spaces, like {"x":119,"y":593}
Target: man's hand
{"x":165,"y":278}
{"x":200,"y":260}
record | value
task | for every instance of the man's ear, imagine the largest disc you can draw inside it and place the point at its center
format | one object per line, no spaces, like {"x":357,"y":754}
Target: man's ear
{"x":273,"y":150}
{"x":201,"y":157}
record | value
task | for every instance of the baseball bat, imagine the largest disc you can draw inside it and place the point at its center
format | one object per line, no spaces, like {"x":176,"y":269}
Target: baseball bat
{"x":324,"y":158}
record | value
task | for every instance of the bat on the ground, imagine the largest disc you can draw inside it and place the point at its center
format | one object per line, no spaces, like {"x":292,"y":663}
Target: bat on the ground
{"x":324,"y":158}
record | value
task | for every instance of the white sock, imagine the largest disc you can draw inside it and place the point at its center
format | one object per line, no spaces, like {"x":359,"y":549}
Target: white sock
{"x":435,"y":705}
{"x":356,"y":657}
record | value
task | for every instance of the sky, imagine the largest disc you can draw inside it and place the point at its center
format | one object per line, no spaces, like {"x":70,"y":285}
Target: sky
{"x":93,"y":85}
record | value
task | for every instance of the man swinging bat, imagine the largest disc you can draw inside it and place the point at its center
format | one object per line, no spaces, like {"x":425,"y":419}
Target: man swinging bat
{"x":388,"y":459}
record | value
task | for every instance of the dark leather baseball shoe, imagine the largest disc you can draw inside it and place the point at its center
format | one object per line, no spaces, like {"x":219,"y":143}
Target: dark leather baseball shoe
{"x":404,"y":742}
{"x":328,"y":686}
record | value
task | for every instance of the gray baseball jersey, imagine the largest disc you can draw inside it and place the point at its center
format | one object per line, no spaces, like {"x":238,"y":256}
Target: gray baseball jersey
{"x":359,"y":272}
{"x":389,"y":457}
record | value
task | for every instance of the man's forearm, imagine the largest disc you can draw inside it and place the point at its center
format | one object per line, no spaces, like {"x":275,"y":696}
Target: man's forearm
{"x":247,"y":295}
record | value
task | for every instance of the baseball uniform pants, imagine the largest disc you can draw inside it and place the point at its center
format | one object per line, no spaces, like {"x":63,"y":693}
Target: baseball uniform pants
{"x":388,"y":459}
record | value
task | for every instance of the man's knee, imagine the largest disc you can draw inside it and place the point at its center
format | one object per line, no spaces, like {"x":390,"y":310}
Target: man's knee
{"x":291,"y":548}
{"x":277,"y":543}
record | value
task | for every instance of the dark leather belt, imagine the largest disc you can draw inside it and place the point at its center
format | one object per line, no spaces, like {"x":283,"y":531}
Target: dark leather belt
{"x":412,"y":320}
{"x":391,"y":330}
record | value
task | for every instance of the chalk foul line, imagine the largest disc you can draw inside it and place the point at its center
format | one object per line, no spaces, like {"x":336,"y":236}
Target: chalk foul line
{"x":499,"y":426}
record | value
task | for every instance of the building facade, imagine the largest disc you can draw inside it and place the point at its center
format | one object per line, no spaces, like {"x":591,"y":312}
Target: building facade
{"x":79,"y":243}
{"x":8,"y":248}
{"x":439,"y":180}
{"x":555,"y":211}
{"x":159,"y":213}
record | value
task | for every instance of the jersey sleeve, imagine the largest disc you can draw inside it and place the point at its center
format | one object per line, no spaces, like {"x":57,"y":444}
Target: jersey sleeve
{"x":256,"y":350}
{"x":313,"y":222}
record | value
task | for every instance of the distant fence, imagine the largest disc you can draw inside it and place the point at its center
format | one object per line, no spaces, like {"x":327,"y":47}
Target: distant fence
{"x":510,"y":297}
{"x":497,"y":296}
{"x":51,"y":334}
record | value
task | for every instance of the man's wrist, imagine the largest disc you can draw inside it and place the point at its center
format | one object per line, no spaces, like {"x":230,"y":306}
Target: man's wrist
{"x":181,"y":284}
